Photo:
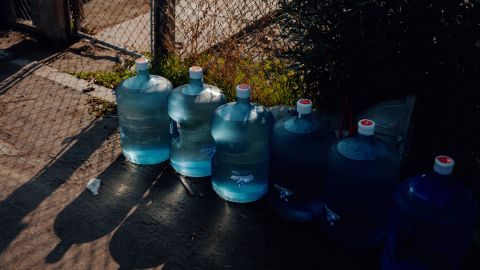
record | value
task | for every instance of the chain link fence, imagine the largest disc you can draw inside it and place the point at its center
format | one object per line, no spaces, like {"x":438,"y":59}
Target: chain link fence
{"x":246,"y":27}
{"x":57,"y":109}
{"x":22,"y":10}
{"x":184,"y":28}
{"x":57,"y":113}
{"x":51,"y":93}
{"x":124,"y":24}
{"x":235,"y":41}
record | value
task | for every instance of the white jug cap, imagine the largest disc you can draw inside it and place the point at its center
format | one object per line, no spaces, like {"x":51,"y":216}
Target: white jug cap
{"x":243,"y":91}
{"x":366,"y":127}
{"x":195,"y":72}
{"x":141,"y":63}
{"x":304,"y":106}
{"x":444,"y":165}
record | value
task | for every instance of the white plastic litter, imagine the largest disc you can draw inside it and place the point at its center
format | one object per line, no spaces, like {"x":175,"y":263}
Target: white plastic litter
{"x":93,"y":185}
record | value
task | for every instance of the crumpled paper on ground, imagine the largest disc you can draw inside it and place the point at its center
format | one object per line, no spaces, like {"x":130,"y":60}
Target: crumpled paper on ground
{"x":93,"y":185}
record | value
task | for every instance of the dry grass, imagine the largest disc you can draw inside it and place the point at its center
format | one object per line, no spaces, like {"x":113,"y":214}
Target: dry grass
{"x":235,"y":42}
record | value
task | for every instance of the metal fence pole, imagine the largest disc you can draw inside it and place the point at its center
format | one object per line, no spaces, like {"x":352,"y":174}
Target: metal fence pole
{"x":76,"y":7}
{"x":163,"y":29}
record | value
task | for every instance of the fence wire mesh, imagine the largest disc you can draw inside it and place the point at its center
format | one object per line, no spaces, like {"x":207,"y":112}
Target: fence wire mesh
{"x":52,"y":140}
{"x":242,"y":26}
{"x":57,"y":108}
{"x":22,"y":10}
{"x":122,"y":23}
{"x":236,"y":41}
{"x":58,"y":124}
{"x":50,"y":95}
{"x":231,"y":39}
{"x":57,"y":115}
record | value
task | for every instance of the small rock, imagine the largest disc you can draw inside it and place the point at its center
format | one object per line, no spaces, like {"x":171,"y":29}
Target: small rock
{"x":88,"y":89}
{"x":93,"y":185}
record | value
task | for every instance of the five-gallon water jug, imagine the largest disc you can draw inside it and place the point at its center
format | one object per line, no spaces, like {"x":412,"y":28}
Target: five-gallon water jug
{"x":240,"y":165}
{"x":191,"y":108}
{"x":359,"y":183}
{"x":281,"y":111}
{"x":300,"y":145}
{"x":142,"y":115}
{"x":432,"y":221}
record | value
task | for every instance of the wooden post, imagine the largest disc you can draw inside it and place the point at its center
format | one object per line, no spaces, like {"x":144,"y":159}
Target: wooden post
{"x":52,"y":18}
{"x":163,"y":29}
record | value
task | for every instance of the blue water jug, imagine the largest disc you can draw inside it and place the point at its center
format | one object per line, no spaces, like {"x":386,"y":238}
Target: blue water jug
{"x":359,"y":183}
{"x":142,"y":115}
{"x":300,"y":145}
{"x":191,"y":108}
{"x":240,"y":165}
{"x":432,"y":221}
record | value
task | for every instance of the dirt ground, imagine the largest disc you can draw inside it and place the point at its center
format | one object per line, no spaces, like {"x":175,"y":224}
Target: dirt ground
{"x":83,"y":56}
{"x":100,"y":14}
{"x":51,"y":145}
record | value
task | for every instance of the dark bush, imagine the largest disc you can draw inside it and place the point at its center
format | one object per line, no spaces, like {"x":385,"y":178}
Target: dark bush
{"x":374,"y":50}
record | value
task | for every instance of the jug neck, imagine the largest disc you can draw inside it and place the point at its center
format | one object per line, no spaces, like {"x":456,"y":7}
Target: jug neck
{"x":365,"y":136}
{"x":143,"y":73}
{"x":196,"y":83}
{"x":243,"y":101}
{"x":243,"y":94}
{"x":306,"y":116}
{"x":441,"y":178}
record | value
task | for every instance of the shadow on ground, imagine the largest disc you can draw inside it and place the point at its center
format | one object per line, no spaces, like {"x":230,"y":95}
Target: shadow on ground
{"x":22,"y":50}
{"x":28,"y":197}
{"x":173,"y":229}
{"x":90,"y":217}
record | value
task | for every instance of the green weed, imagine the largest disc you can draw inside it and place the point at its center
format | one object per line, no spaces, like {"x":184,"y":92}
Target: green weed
{"x":271,"y":80}
{"x":108,"y":78}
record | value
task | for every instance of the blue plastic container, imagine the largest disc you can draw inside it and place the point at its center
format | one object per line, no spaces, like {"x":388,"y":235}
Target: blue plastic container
{"x":359,"y":184}
{"x":432,"y":221}
{"x":300,"y":145}
{"x":191,"y":108}
{"x":142,"y":115}
{"x":240,"y":165}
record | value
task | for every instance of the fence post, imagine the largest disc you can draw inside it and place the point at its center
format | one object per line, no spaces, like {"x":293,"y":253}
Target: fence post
{"x":76,"y":8}
{"x":163,"y":29}
{"x":52,"y":18}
